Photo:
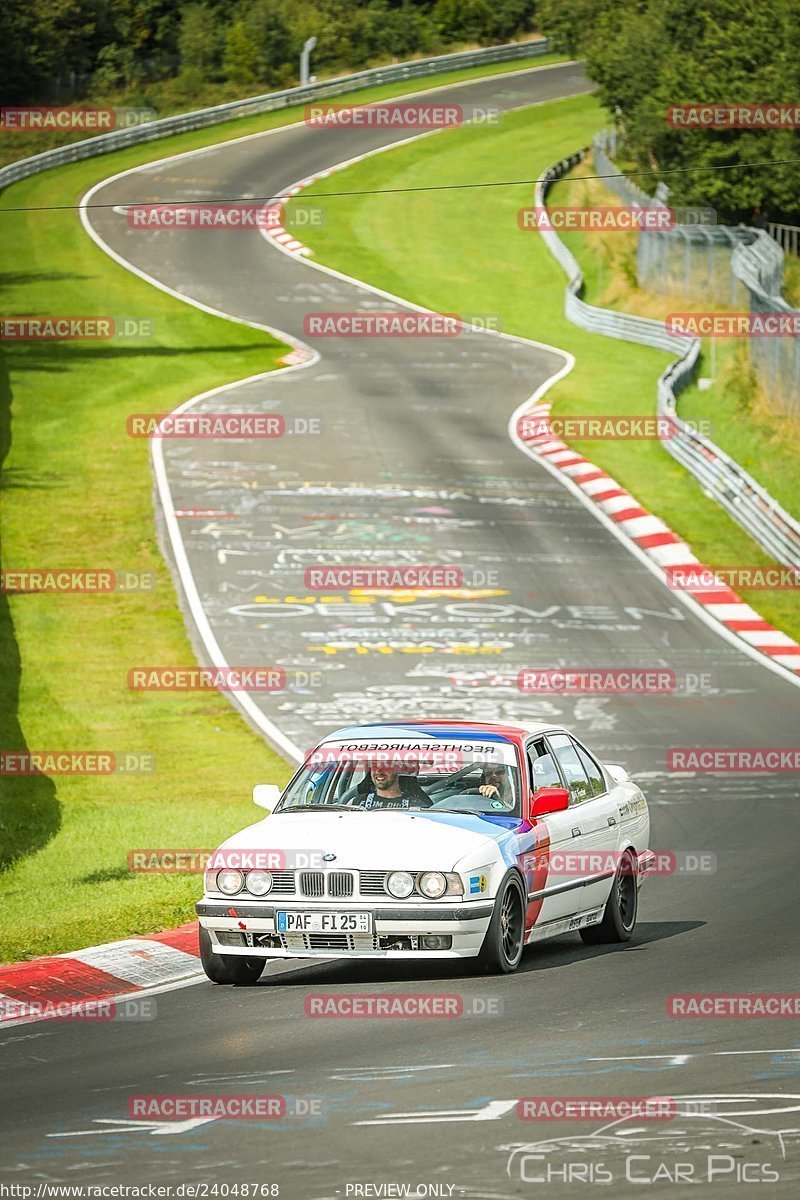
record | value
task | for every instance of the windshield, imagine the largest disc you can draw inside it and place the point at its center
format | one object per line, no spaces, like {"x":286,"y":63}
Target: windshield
{"x":446,"y":778}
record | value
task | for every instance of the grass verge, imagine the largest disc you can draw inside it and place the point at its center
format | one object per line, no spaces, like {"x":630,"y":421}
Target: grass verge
{"x":462,"y":250}
{"x":77,"y":492}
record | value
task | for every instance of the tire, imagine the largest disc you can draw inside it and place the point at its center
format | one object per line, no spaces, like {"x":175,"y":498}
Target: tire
{"x":228,"y":968}
{"x":505,"y":938}
{"x":622,"y":906}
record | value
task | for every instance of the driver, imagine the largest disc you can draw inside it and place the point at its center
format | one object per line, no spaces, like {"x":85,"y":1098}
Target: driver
{"x":495,"y":783}
{"x":389,"y":789}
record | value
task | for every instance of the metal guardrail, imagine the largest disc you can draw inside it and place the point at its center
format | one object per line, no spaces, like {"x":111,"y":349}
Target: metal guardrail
{"x":739,"y":266}
{"x":787,"y":237}
{"x":105,"y":143}
{"x":720,"y":477}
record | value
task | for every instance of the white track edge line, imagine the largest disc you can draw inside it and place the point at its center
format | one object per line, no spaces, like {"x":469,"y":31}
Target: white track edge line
{"x":698,"y":609}
{"x":261,"y":720}
{"x":270,"y":730}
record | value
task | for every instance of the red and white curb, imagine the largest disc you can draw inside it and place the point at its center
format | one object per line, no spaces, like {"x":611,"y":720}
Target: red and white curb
{"x":652,"y":536}
{"x":275,"y":231}
{"x":62,"y":985}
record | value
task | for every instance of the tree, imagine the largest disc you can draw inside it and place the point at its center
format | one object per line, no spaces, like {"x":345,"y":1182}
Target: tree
{"x":568,"y":25}
{"x":650,"y":55}
{"x":269,"y":35}
{"x":199,"y":42}
{"x":241,"y":58}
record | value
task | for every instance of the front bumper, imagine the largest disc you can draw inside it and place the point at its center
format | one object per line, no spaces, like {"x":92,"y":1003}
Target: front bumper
{"x":248,"y":928}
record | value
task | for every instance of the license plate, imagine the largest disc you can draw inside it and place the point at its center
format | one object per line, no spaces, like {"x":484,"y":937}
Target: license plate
{"x":320,"y":922}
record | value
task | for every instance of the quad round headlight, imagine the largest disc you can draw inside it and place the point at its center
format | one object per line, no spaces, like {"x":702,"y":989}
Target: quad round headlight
{"x":230,"y":881}
{"x":259,"y":882}
{"x":400,"y":884}
{"x":432,"y":884}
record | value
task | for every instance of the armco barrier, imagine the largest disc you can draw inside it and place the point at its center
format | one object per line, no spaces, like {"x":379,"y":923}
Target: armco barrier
{"x":105,"y":143}
{"x":721,"y":478}
{"x":726,"y":264}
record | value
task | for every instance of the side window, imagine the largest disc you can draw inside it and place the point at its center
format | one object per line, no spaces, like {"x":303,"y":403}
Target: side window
{"x":544,"y":772}
{"x":593,"y":770}
{"x":566,"y":752}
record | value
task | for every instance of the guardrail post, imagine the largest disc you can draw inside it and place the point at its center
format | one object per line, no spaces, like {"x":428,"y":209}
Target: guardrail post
{"x":720,"y":477}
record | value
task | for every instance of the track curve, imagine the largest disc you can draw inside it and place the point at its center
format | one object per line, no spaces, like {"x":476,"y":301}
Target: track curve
{"x":414,"y":461}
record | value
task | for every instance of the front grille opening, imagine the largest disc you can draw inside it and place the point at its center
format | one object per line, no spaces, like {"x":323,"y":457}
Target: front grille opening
{"x":395,"y":941}
{"x":282,"y":883}
{"x":312,"y":883}
{"x":270,"y":941}
{"x":230,"y":937}
{"x":340,"y":883}
{"x":373,"y":883}
{"x":329,"y":941}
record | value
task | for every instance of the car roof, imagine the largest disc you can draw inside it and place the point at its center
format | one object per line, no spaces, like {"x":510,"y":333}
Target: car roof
{"x":441,"y":728}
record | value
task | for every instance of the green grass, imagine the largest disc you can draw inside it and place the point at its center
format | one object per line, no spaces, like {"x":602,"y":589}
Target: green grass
{"x":791,"y":280}
{"x":463,"y":251}
{"x":16,"y":144}
{"x":764,"y":442}
{"x":78,"y":492}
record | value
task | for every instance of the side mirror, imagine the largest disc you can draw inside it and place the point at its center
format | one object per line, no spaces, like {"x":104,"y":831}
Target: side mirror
{"x":266,"y":795}
{"x":549,"y":800}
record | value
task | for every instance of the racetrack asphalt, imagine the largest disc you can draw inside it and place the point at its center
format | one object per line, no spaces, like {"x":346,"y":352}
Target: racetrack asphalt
{"x":414,"y":464}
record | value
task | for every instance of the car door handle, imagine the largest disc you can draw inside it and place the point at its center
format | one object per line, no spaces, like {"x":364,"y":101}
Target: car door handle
{"x":576,"y":832}
{"x":612,"y":820}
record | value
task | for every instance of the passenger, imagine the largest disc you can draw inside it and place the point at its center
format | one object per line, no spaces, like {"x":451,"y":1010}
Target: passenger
{"x":383,"y":788}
